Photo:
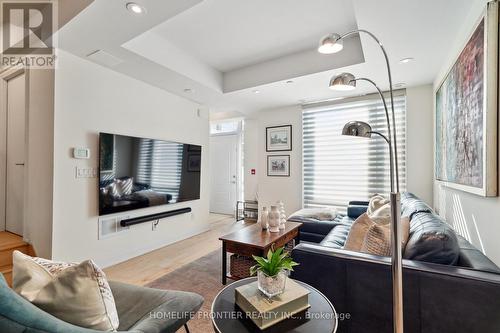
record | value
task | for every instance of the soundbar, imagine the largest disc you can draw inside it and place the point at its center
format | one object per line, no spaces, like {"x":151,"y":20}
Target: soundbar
{"x":153,"y":217}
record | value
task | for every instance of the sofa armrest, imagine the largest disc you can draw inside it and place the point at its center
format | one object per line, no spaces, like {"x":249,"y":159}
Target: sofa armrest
{"x":355,"y":211}
{"x":434,"y":295}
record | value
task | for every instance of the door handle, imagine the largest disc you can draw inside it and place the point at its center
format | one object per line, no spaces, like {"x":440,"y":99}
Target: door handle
{"x":20,"y":164}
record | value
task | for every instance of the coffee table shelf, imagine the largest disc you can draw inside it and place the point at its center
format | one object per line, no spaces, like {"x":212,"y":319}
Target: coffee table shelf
{"x":255,"y":241}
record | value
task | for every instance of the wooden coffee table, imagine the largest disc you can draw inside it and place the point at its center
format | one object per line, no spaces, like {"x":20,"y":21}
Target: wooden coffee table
{"x":255,"y":241}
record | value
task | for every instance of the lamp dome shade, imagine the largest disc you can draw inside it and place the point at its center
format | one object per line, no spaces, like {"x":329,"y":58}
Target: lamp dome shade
{"x":343,"y":82}
{"x":357,"y":128}
{"x":331,"y":43}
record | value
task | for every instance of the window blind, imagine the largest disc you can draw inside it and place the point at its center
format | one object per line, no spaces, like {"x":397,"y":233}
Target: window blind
{"x":337,"y":168}
{"x":160,"y":166}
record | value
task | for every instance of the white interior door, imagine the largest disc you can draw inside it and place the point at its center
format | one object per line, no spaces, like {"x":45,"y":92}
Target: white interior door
{"x":224,"y":173}
{"x":16,"y":143}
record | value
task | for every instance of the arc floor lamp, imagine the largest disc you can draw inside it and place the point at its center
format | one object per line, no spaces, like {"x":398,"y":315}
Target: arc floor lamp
{"x":333,"y":43}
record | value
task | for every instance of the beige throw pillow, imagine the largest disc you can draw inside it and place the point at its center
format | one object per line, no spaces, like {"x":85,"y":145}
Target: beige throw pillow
{"x":356,"y":236}
{"x":379,"y":209}
{"x":75,"y":293}
{"x":367,"y":236}
{"x":378,"y":238}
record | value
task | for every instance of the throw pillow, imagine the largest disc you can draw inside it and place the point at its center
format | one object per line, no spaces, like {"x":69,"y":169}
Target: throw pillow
{"x":368,"y":236}
{"x":321,"y":214}
{"x":124,"y":186}
{"x":75,"y":293}
{"x":356,"y":236}
{"x":379,"y":209}
{"x":378,"y":238}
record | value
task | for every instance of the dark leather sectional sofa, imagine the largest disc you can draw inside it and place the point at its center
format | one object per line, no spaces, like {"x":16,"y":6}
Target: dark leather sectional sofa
{"x":449,"y":285}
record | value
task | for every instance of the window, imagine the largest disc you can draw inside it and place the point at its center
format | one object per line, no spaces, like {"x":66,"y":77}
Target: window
{"x":337,"y":168}
{"x":160,"y":165}
{"x":225,"y":127}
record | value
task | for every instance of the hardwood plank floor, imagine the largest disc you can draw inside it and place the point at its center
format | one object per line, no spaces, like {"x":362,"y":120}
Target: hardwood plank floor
{"x":150,"y":266}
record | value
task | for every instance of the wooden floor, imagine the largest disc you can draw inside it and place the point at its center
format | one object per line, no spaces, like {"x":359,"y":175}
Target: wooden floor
{"x":8,"y":244}
{"x":150,"y":266}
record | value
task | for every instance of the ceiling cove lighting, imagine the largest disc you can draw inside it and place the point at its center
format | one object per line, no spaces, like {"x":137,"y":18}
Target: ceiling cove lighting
{"x":135,"y":8}
{"x":330,"y":44}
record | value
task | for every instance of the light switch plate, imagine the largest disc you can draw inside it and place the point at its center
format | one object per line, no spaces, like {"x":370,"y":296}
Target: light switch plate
{"x":86,"y":172}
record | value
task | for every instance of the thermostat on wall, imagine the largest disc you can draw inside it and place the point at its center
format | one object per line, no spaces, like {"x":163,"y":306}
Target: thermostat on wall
{"x":81,"y":153}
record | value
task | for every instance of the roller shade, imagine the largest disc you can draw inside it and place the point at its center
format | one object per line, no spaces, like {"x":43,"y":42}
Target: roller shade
{"x":337,"y":168}
{"x":160,"y":166}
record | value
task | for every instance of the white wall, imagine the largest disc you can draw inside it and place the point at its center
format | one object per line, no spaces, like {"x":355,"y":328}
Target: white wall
{"x":270,"y":189}
{"x":251,"y":159}
{"x":39,"y":160}
{"x":419,"y":142}
{"x":474,"y":217}
{"x":92,"y":99}
{"x":39,"y":174}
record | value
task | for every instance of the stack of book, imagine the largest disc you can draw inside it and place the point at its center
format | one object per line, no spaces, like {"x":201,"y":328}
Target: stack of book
{"x":265,"y":312}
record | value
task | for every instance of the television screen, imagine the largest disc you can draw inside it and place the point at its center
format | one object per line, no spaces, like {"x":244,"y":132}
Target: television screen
{"x":138,"y":172}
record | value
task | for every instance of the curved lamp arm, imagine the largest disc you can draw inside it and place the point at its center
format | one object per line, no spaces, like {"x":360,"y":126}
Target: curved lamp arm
{"x":347,"y":34}
{"x":391,"y":156}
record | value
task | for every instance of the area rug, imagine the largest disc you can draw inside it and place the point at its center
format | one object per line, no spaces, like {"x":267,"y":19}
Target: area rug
{"x":202,"y":276}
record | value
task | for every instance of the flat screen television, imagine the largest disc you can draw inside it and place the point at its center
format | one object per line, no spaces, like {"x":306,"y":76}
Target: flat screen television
{"x":139,"y":172}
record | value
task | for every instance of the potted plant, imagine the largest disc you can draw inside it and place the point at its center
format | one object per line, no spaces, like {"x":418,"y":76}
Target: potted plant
{"x":272,"y":271}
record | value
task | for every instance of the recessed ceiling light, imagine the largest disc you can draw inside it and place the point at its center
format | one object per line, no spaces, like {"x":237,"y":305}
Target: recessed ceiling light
{"x":289,"y":81}
{"x":188,"y":90}
{"x":256,"y":91}
{"x":406,"y":60}
{"x":135,"y":8}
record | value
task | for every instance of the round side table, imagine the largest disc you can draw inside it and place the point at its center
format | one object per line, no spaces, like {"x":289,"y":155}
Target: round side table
{"x":321,"y":317}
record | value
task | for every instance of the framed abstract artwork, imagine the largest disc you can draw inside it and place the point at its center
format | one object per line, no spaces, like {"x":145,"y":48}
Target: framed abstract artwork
{"x":467,"y":111}
{"x":279,"y":138}
{"x":278,"y":165}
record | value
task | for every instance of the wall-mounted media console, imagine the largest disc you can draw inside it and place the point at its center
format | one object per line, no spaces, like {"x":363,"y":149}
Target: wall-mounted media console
{"x":154,"y":217}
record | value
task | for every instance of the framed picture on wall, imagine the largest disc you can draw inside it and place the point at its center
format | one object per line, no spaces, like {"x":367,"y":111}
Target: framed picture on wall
{"x":467,"y":113}
{"x":278,"y":165}
{"x":279,"y":138}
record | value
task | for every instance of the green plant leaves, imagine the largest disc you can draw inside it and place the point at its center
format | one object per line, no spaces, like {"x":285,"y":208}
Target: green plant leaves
{"x":274,"y":263}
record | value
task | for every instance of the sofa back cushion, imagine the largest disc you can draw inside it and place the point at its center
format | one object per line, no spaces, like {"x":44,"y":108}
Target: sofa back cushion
{"x":431,"y":240}
{"x":411,"y":205}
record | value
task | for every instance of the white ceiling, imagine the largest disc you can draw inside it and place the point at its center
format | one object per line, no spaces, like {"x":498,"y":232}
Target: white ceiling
{"x":224,"y":50}
{"x":230,"y":34}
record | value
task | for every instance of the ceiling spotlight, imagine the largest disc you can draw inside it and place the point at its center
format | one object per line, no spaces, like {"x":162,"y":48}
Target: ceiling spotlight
{"x":135,"y":8}
{"x":406,"y":60}
{"x":188,"y":90}
{"x":343,"y":82}
{"x":331,"y":43}
{"x":256,"y":91}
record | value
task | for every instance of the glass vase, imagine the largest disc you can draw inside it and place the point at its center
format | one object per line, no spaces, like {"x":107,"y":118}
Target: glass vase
{"x":271,"y":285}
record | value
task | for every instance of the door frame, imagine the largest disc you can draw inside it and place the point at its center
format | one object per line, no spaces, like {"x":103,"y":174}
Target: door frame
{"x":5,"y":75}
{"x":239,"y":155}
